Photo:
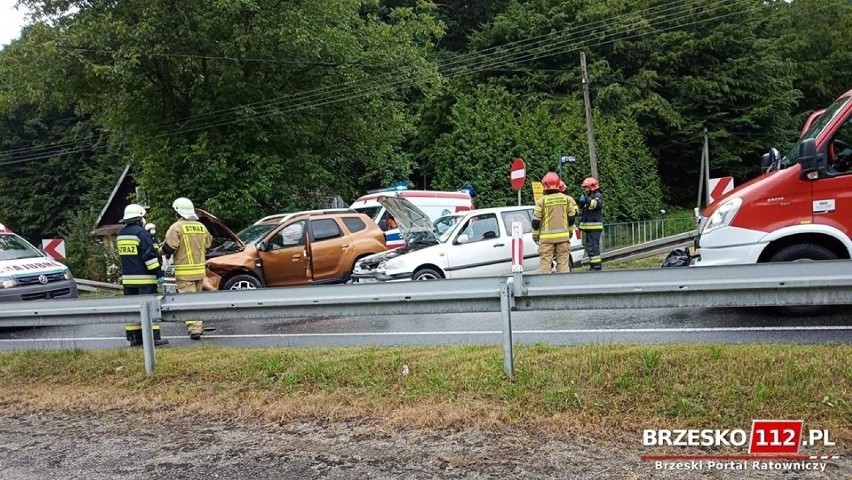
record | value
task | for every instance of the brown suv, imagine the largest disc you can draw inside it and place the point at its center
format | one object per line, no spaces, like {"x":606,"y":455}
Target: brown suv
{"x":300,"y":249}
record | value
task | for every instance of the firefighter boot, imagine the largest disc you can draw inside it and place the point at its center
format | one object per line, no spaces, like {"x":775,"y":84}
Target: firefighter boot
{"x":194,"y":328}
{"x":133,"y":333}
{"x":158,"y":339}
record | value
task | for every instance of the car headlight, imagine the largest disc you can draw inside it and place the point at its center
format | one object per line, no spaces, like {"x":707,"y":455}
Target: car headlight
{"x":723,"y":216}
{"x":382,"y":267}
{"x":67,"y":275}
{"x":8,"y":282}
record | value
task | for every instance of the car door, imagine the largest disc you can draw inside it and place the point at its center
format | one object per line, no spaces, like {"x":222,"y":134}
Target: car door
{"x":478,"y":248}
{"x":832,"y":196}
{"x":282,"y":256}
{"x":524,"y":217}
{"x":330,"y":248}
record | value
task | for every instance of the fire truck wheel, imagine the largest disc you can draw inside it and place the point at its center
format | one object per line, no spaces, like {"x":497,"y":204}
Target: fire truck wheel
{"x":805,"y":252}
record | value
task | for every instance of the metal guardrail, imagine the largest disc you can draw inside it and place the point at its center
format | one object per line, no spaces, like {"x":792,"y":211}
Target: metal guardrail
{"x":93,"y":286}
{"x":649,"y":249}
{"x":772,"y":284}
{"x":626,"y":234}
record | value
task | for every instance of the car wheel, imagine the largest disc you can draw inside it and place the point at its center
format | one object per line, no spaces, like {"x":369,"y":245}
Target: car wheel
{"x":427,"y":274}
{"x":805,"y":252}
{"x":242,"y":282}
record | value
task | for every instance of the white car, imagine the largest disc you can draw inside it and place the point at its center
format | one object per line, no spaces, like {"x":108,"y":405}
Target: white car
{"x":477,"y":245}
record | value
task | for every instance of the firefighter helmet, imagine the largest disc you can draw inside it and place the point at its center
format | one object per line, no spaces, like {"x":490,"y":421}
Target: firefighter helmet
{"x":152,"y":228}
{"x":183,"y":206}
{"x":550,"y":181}
{"x":133,"y":213}
{"x":562,"y":186}
{"x":591,"y":183}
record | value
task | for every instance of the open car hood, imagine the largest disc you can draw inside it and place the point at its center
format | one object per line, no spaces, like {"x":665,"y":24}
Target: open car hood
{"x":220,"y":232}
{"x":410,"y":219}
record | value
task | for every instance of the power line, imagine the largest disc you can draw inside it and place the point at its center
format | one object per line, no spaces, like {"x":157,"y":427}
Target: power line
{"x":463,"y":68}
{"x":457,"y":62}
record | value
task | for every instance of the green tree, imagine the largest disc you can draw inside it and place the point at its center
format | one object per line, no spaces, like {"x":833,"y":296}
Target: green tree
{"x":491,"y":126}
{"x":247,"y":107}
{"x":814,"y":39}
{"x":676,"y":67}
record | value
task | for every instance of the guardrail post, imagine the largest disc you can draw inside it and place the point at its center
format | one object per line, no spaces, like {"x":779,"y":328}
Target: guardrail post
{"x":148,"y":310}
{"x":506,"y":293}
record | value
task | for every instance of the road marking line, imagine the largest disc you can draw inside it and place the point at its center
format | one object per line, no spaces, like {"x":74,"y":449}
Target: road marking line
{"x":470,"y":332}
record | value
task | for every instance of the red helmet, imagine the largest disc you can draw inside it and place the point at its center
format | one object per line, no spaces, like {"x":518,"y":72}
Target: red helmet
{"x":562,"y":186}
{"x":551,"y":181}
{"x":590,"y":182}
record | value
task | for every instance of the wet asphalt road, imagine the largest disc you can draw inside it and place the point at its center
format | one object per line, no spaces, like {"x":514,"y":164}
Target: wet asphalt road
{"x":646,"y":326}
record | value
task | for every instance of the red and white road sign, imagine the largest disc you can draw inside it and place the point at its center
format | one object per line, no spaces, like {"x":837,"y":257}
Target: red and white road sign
{"x":55,"y":247}
{"x":517,"y":247}
{"x":518,"y":173}
{"x":719,"y":187}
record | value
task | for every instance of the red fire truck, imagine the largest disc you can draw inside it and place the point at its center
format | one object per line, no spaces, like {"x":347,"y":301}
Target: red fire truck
{"x":800,"y":209}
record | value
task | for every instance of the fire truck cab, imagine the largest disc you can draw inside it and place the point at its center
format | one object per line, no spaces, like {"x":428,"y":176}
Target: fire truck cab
{"x":800,"y":209}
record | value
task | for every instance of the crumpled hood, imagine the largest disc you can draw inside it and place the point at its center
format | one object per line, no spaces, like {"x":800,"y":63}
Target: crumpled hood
{"x":411,"y":219}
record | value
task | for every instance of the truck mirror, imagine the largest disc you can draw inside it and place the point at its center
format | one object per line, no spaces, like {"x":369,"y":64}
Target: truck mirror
{"x":808,"y":159}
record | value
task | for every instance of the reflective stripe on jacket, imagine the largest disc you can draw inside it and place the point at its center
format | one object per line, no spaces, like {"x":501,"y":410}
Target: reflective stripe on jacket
{"x":140,"y":262}
{"x":591,"y":217}
{"x":552,"y":212}
{"x":190,"y":241}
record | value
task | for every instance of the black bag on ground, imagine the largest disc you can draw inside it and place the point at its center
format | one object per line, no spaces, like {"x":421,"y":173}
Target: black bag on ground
{"x":679,"y":257}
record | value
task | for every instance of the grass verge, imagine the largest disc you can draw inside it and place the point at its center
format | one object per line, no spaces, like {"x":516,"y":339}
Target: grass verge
{"x":584,"y":389}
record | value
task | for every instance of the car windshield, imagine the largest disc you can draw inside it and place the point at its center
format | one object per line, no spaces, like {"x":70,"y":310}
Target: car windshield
{"x":820,"y":123}
{"x":372,"y":212}
{"x":249,"y":235}
{"x":13,"y":247}
{"x":444,"y":226}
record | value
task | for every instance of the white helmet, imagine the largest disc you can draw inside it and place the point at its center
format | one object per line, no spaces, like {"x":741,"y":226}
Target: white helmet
{"x":152,"y":229}
{"x":183,"y":206}
{"x":133,"y":213}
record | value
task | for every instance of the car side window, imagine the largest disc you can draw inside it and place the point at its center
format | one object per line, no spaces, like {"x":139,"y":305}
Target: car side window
{"x":354,"y":224}
{"x":840,"y":149}
{"x":479,"y":228}
{"x":325,"y":229}
{"x":289,"y":236}
{"x":519,"y":216}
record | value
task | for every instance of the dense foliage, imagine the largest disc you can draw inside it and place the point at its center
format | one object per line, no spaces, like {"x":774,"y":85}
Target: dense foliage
{"x":252,"y":107}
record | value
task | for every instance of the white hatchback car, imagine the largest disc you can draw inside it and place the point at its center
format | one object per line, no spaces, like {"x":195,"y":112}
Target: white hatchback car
{"x":477,"y":245}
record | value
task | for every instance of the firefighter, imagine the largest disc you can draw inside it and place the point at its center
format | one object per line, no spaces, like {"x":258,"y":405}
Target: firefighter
{"x":187,"y":241}
{"x":591,"y":221}
{"x":140,"y":266}
{"x":553,"y":219}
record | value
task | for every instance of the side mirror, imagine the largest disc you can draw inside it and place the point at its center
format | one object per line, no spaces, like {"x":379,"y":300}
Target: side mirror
{"x":813,"y":164}
{"x":462,"y":239}
{"x":262,"y":246}
{"x":808,"y":159}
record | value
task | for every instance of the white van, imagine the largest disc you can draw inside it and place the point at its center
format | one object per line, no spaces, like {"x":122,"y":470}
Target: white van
{"x":435,"y":204}
{"x":28,"y":274}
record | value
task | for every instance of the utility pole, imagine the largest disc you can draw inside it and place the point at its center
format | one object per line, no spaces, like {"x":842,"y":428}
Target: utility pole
{"x":700,"y":181}
{"x":706,"y":167}
{"x":593,"y":156}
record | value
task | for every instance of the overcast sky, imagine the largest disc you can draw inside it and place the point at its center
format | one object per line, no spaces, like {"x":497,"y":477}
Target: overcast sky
{"x":11,"y":21}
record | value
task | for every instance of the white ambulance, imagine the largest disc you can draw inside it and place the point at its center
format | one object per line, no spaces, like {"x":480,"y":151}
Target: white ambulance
{"x":435,"y":204}
{"x":28,"y":274}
